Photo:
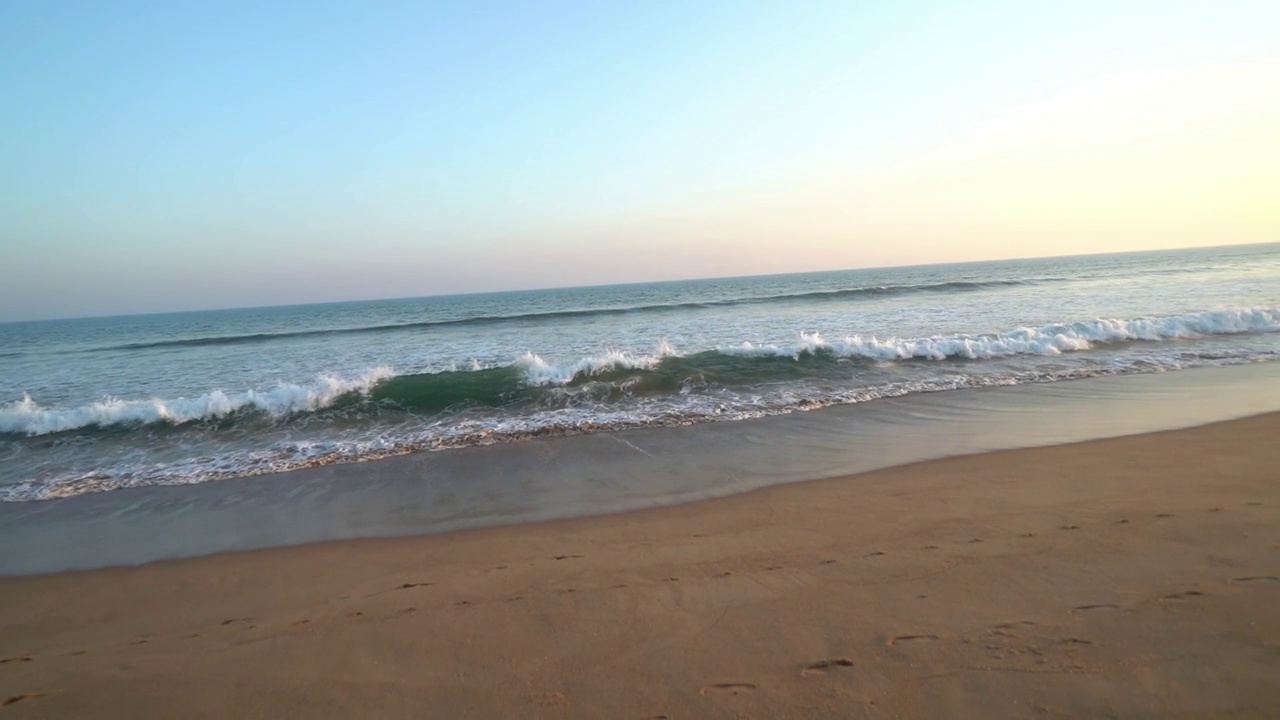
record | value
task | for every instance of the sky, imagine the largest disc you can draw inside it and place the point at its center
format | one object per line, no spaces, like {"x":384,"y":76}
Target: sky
{"x":159,"y":156}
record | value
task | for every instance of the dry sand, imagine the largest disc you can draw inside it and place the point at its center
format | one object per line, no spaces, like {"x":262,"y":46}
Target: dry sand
{"x":1134,"y":577}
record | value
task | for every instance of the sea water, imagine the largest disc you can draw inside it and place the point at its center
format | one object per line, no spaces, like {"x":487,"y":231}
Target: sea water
{"x":100,"y":404}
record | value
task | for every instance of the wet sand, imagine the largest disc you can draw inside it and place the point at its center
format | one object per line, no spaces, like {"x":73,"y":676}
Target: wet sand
{"x":1132,"y":577}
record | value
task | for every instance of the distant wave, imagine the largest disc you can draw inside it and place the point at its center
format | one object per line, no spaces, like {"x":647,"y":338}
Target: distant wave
{"x":1048,"y":340}
{"x":817,"y":295}
{"x":619,"y":374}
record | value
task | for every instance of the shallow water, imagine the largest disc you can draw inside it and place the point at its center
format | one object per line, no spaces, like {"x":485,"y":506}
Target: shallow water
{"x":557,"y":477}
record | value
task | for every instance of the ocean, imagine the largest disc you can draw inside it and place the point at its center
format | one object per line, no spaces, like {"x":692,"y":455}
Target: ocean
{"x":103,"y":404}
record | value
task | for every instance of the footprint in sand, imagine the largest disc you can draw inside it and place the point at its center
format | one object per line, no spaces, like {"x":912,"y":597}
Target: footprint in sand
{"x":19,"y":698}
{"x":408,"y":586}
{"x":929,"y":547}
{"x":1183,"y":595}
{"x":551,"y":699}
{"x":230,"y":621}
{"x":1251,"y":578}
{"x":567,"y":557}
{"x":1164,"y":515}
{"x":898,"y":640}
{"x":19,"y":659}
{"x":877,"y":553}
{"x":1073,"y":641}
{"x":1122,"y":521}
{"x":727,"y":689}
{"x":1097,"y":606}
{"x":822,"y":667}
{"x":1070,"y":527}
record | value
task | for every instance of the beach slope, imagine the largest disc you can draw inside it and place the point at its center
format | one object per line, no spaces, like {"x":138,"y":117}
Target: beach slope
{"x":1131,"y":577}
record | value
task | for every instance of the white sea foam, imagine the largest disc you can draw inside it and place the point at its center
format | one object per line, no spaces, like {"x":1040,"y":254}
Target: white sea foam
{"x":539,"y":372}
{"x":28,"y":417}
{"x":374,"y":443}
{"x":1048,"y":340}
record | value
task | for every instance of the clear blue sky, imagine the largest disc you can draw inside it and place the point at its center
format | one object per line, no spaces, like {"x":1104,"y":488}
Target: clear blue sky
{"x":165,"y":155}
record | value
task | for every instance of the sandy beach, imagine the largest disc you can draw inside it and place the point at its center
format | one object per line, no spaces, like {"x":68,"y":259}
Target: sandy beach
{"x":640,"y":361}
{"x":1131,"y":577}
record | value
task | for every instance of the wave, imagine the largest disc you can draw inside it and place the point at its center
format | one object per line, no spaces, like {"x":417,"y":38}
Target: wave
{"x":1048,"y":340}
{"x":27,"y":417}
{"x":375,"y":443}
{"x":816,"y":295}
{"x":614,"y":375}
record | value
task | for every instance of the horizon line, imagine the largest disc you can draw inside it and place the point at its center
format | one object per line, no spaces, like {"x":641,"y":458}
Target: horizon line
{"x":68,"y":318}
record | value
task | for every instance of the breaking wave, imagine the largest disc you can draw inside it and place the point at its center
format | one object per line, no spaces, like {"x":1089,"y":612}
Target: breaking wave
{"x":1048,"y":340}
{"x":27,"y":417}
{"x":374,"y":443}
{"x":532,"y":381}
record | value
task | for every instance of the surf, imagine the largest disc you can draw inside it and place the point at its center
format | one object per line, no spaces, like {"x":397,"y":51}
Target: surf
{"x":616,"y":375}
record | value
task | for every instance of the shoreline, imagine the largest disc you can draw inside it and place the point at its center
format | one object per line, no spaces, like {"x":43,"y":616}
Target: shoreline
{"x":607,"y":473}
{"x":1134,"y":576}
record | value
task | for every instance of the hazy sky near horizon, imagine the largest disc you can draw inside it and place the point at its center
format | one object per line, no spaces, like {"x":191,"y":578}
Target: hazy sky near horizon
{"x":167,"y":156}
